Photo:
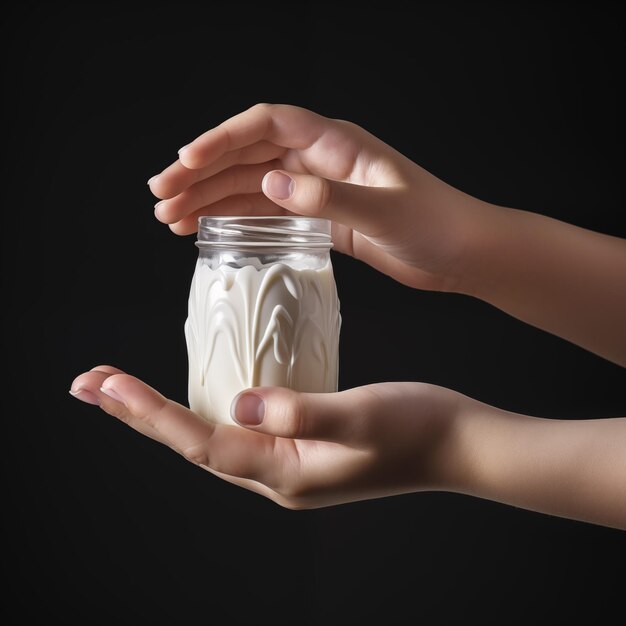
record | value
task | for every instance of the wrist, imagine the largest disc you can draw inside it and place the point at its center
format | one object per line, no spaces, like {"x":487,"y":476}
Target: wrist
{"x":478,"y":445}
{"x":485,"y":230}
{"x":454,"y":462}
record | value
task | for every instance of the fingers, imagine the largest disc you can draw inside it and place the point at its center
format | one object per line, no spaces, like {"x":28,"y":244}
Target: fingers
{"x":283,"y":125}
{"x":176,"y":178}
{"x":87,"y":387}
{"x":365,"y":209}
{"x":173,"y":179}
{"x":236,"y":180}
{"x":281,"y":412}
{"x":233,"y":158}
{"x":107,"y":369}
{"x":223,"y":448}
{"x":245,"y":204}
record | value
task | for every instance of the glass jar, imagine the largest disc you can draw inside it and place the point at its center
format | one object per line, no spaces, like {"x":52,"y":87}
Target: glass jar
{"x":263,"y":310}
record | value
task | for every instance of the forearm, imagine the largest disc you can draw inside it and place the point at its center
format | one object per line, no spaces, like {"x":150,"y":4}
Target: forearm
{"x":570,"y":468}
{"x":566,"y":280}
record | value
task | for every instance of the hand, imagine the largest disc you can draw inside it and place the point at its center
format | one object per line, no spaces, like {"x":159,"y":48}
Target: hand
{"x":392,"y":214}
{"x":310,"y":450}
{"x":279,"y":159}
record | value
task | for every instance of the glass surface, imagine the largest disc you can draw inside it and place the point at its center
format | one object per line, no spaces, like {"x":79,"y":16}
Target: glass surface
{"x":299,"y":242}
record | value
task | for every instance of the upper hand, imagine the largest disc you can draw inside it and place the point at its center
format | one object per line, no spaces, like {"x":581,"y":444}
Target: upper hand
{"x":385,"y":209}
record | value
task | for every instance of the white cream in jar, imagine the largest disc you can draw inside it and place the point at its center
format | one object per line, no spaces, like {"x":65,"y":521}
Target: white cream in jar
{"x":263,"y":310}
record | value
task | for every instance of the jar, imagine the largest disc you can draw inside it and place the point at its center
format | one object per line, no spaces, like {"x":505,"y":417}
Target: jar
{"x":263,"y":310}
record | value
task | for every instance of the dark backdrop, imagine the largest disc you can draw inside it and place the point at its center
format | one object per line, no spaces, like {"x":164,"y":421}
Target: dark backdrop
{"x":517,"y":105}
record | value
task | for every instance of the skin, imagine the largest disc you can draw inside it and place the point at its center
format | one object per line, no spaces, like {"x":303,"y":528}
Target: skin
{"x":313,"y":450}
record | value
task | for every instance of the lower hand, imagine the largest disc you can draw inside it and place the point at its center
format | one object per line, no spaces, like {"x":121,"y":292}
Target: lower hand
{"x":302,"y":450}
{"x":306,"y":450}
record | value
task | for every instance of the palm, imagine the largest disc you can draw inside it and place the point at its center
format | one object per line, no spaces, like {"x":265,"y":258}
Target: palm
{"x":312,"y":469}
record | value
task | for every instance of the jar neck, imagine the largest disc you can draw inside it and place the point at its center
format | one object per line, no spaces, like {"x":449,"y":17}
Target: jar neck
{"x":299,"y":242}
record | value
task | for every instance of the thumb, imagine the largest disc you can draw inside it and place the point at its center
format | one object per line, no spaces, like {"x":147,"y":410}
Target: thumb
{"x":355,"y":206}
{"x":285,"y":413}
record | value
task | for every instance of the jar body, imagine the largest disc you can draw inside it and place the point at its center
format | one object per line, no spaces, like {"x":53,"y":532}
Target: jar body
{"x":261,"y":315}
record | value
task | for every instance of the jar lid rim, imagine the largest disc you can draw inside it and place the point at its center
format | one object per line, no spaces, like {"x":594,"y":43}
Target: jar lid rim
{"x":261,"y":231}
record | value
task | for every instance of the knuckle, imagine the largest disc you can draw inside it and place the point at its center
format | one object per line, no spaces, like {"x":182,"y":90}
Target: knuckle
{"x":265,"y":112}
{"x":347,"y":124}
{"x":119,"y":411}
{"x":197,"y":454}
{"x":294,"y":417}
{"x":193,"y":196}
{"x":349,"y":127}
{"x":152,"y":417}
{"x":325,"y":194}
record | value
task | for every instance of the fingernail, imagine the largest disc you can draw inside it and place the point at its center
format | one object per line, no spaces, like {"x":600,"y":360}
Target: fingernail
{"x":181,"y":150}
{"x":150,"y":180}
{"x":157,"y":210}
{"x":113,"y":394}
{"x":85,"y":396}
{"x":279,"y":185}
{"x":248,"y":409}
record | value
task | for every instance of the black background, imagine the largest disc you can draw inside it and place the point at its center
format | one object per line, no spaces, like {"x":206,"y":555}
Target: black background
{"x":515,"y":104}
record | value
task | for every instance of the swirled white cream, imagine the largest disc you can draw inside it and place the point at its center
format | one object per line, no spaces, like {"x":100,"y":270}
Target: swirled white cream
{"x":259,"y":326}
